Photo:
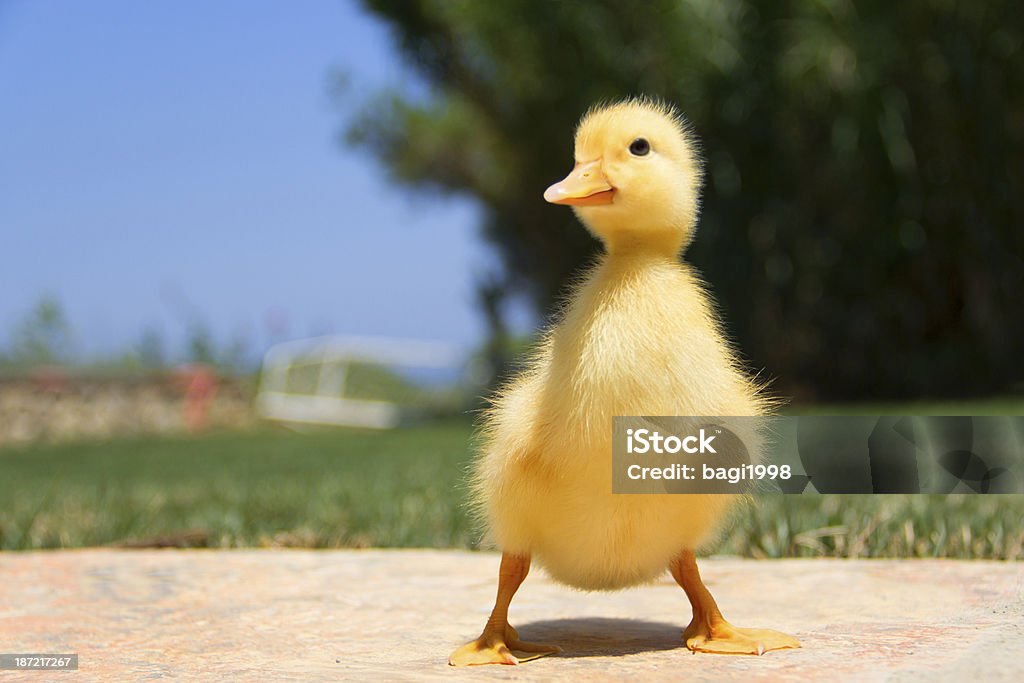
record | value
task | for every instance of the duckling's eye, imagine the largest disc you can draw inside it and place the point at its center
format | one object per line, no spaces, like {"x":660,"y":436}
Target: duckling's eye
{"x":639,"y":147}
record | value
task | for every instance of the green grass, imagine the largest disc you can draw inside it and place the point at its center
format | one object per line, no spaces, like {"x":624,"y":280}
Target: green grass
{"x":960,"y":526}
{"x":350,"y":488}
{"x":273,"y":487}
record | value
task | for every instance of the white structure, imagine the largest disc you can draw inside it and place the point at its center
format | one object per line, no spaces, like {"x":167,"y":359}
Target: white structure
{"x":332,"y":356}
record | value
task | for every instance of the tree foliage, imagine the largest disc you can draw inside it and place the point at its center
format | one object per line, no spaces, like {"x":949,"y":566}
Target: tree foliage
{"x":42,"y":336}
{"x":862,"y":218}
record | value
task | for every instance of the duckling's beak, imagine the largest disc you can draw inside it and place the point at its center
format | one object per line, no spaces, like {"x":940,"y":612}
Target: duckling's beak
{"x":585,"y":186}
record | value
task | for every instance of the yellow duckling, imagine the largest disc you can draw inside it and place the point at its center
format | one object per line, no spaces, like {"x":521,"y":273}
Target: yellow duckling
{"x":638,"y":337}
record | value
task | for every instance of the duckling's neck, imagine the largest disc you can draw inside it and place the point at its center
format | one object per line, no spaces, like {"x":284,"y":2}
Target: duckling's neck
{"x":630,"y":248}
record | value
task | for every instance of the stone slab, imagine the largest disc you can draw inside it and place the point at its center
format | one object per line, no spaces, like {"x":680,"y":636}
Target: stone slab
{"x":394,"y":615}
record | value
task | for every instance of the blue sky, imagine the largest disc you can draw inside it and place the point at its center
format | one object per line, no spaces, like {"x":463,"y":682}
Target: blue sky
{"x":159,"y":159}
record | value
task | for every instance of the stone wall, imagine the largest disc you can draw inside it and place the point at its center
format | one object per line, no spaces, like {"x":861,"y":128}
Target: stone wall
{"x":58,"y":405}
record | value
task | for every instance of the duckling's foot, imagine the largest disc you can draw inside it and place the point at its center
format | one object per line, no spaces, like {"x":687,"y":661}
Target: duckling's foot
{"x":723,"y":638}
{"x":708,"y":630}
{"x":494,"y":647}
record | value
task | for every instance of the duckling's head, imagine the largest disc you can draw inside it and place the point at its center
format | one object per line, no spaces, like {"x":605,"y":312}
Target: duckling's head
{"x":637,"y":177}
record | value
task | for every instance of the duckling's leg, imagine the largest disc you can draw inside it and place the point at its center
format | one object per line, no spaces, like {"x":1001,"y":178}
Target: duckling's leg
{"x":499,"y":643}
{"x":708,"y":630}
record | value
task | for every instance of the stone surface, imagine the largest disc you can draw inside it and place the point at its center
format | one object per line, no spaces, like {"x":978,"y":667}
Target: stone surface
{"x":394,"y":615}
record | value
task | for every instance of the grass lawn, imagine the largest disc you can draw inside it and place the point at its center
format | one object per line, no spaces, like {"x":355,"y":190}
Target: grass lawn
{"x":323,"y":489}
{"x":351,"y":488}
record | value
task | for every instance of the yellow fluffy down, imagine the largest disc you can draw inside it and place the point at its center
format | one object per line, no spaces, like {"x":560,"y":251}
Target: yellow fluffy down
{"x":637,"y":337}
{"x":635,"y":341}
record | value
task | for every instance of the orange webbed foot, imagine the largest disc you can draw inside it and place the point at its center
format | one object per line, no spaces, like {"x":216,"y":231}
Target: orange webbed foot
{"x":494,"y":647}
{"x":724,"y":638}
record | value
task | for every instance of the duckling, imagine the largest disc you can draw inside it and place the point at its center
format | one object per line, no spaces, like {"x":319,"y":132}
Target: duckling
{"x":638,"y":336}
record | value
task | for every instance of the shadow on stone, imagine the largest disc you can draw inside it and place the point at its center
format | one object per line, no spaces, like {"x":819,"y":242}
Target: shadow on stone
{"x":604,"y":637}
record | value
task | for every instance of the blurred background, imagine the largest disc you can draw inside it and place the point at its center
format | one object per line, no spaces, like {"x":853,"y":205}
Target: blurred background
{"x":261,"y":264}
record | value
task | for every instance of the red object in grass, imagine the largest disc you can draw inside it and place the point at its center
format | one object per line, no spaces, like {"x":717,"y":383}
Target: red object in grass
{"x":50,"y":379}
{"x":199,"y":382}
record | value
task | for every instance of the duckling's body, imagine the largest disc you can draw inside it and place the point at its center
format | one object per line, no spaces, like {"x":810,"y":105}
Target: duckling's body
{"x":544,"y":479}
{"x":637,"y":337}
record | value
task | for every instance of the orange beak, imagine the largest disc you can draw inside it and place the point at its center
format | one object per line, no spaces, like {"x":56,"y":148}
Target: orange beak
{"x":585,"y":186}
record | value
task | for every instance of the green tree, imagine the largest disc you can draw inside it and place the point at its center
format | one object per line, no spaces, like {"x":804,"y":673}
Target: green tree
{"x":200,"y":345}
{"x":860,"y":227}
{"x":203,"y":347}
{"x":150,"y":350}
{"x":43,"y":336}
